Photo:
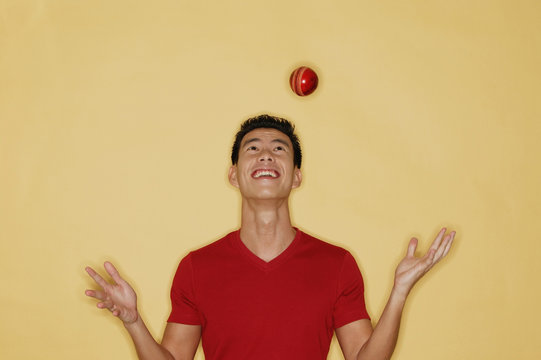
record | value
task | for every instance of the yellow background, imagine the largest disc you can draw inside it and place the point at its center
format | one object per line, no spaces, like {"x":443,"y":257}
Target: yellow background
{"x":117,"y":117}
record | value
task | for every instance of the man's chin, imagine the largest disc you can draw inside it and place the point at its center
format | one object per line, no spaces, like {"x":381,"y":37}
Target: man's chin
{"x":267,"y":196}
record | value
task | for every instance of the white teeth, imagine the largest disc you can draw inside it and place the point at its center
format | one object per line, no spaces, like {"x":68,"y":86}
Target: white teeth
{"x":265,"y":173}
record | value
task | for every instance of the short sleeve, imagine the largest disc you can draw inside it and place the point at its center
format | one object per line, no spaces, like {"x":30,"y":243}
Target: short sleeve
{"x":183,"y":304}
{"x":349,"y":305}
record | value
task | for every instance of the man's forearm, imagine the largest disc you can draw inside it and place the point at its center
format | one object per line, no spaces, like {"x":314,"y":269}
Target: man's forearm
{"x":381,"y":344}
{"x":147,"y":348}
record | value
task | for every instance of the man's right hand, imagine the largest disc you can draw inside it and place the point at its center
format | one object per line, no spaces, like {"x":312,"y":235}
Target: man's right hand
{"x":119,"y":297}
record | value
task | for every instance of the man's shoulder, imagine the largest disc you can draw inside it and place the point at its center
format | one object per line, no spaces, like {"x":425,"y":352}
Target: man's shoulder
{"x":322,"y":247}
{"x":216,"y":247}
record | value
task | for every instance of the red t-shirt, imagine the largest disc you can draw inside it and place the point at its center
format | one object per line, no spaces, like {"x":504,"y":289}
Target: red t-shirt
{"x":287,"y":308}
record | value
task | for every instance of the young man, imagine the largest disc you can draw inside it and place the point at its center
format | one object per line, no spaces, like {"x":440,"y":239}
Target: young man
{"x":268,"y":290}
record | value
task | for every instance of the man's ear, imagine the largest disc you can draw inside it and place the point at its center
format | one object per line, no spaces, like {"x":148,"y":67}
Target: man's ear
{"x":232,"y":175}
{"x":297,"y":178}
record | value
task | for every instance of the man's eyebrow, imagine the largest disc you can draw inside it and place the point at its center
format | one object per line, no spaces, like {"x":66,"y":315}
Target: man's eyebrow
{"x":258,"y":139}
{"x":281,"y":142}
{"x":250,"y":141}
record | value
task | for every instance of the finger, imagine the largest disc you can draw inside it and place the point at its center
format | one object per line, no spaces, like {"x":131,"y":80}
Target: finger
{"x":437,"y":240}
{"x":412,"y":247}
{"x":97,"y":278}
{"x":448,"y":246}
{"x":114,"y":310}
{"x":111,"y":270}
{"x":441,"y":248}
{"x":100,"y":295}
{"x":428,"y":260}
{"x":105,"y":305}
{"x":101,"y":305}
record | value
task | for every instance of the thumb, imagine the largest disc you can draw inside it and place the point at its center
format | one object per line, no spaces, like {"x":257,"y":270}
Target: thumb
{"x":412,"y":247}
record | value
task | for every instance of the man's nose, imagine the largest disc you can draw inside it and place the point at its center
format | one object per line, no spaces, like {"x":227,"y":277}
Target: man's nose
{"x":266,"y":156}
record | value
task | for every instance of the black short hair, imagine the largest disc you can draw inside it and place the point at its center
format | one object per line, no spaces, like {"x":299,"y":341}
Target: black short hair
{"x":268,"y":122}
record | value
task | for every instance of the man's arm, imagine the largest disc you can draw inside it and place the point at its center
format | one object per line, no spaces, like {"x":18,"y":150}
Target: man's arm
{"x":179,"y":341}
{"x":357,"y":339}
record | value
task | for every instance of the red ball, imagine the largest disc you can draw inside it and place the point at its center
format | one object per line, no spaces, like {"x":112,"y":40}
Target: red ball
{"x":303,"y":81}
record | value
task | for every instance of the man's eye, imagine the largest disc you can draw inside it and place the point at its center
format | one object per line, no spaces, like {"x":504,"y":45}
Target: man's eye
{"x":252,"y":148}
{"x":279,"y":148}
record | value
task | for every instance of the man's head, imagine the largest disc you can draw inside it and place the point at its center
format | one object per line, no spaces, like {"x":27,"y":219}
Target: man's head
{"x":266,"y":158}
{"x":268,"y":122}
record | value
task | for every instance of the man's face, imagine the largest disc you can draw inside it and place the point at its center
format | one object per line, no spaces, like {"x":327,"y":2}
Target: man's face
{"x":265,"y":167}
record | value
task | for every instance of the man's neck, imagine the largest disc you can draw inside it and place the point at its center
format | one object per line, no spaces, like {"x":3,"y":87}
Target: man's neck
{"x":266,"y":227}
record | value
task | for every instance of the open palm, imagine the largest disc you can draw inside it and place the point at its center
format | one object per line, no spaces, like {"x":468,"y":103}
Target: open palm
{"x":118,"y":297}
{"x":412,"y":268}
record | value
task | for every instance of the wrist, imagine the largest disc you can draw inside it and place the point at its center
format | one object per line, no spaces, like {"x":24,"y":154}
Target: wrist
{"x":133,"y":323}
{"x":399,"y":294}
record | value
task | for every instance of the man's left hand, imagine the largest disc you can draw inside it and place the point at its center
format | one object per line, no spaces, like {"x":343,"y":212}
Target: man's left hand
{"x":412,"y":268}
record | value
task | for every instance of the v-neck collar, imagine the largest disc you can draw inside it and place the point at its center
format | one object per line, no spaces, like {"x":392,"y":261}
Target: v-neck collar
{"x":262,"y":264}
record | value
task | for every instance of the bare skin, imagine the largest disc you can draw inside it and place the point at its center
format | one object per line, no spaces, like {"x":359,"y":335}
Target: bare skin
{"x":265,"y":223}
{"x":179,"y":341}
{"x":357,"y":339}
{"x":267,"y":231}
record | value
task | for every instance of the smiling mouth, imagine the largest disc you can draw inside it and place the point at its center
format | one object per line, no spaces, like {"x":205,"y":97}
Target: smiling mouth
{"x":265,"y":173}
